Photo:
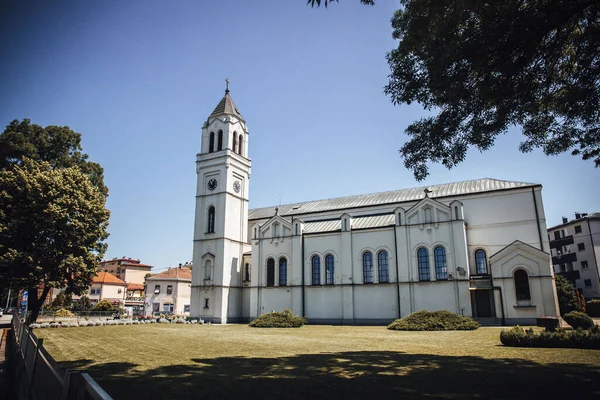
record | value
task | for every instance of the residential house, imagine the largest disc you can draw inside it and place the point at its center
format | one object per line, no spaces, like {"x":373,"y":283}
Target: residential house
{"x":169,"y":292}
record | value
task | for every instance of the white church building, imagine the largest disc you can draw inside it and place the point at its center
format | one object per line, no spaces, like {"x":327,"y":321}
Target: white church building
{"x":477,"y":248}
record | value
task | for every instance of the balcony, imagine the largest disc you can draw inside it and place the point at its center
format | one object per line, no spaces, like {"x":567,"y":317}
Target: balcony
{"x":570,"y":275}
{"x":564,"y":258}
{"x":480,"y":282}
{"x":559,"y":243}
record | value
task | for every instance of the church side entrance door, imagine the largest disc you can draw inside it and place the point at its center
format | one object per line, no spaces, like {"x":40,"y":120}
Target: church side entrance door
{"x":483,"y":303}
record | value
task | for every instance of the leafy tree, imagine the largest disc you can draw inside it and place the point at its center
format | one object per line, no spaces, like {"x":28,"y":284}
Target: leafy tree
{"x":52,"y":228}
{"x":63,"y":300}
{"x":484,"y":67}
{"x":83,"y":304}
{"x":105,"y":305}
{"x":58,"y":145}
{"x":567,"y":297}
{"x":326,"y":2}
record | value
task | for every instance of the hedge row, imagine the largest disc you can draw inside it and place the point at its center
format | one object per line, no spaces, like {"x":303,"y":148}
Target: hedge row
{"x":579,"y":339}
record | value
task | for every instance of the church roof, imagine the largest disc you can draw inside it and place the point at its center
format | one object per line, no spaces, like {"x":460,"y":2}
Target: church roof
{"x":391,"y":197}
{"x":226,"y":106}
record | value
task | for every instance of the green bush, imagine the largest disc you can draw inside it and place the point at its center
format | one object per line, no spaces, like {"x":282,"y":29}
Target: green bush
{"x":579,"y":339}
{"x":284,"y":319}
{"x":434,"y":321}
{"x":568,"y":299}
{"x":105,"y":305}
{"x":577,"y":320}
{"x":61,"y":312}
{"x":593,"y":308}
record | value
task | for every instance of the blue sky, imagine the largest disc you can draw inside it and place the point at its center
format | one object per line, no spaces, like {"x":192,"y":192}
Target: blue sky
{"x":138,"y":78}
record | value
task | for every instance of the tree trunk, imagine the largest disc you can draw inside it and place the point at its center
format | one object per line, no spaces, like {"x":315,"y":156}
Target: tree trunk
{"x":34,"y":304}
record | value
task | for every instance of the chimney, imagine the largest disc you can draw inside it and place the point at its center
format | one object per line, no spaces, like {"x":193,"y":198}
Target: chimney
{"x":577,"y":215}
{"x":583,"y":215}
{"x":179,"y":265}
{"x":565,"y":220}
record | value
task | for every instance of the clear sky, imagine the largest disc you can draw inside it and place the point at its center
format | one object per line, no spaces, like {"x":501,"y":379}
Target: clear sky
{"x":138,"y":78}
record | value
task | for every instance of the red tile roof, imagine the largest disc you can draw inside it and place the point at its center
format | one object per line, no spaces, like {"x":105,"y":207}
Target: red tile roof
{"x":174,"y":273}
{"x":106,"y":278}
{"x":135,"y":286}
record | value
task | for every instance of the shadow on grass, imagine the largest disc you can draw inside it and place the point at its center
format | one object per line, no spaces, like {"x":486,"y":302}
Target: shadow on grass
{"x":349,"y":375}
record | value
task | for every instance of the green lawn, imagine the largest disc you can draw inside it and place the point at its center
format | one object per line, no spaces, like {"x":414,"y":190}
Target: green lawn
{"x":235,"y":361}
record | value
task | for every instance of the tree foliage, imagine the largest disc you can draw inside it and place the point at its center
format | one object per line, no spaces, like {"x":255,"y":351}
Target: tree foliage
{"x":83,"y":304}
{"x":62,"y":300}
{"x":105,"y":305}
{"x":487,"y":66}
{"x":53,"y":217}
{"x":327,"y":2}
{"x":567,"y":296}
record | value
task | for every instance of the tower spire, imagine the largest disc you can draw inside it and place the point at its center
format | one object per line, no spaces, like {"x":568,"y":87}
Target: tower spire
{"x":226,"y":85}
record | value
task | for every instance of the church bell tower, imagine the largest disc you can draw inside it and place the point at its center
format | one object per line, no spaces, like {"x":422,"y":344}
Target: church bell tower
{"x":221,"y":222}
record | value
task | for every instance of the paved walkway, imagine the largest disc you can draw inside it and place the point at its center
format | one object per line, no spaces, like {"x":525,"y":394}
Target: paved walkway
{"x":4,"y":382}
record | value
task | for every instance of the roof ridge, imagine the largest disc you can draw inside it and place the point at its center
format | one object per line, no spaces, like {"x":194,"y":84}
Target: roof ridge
{"x":390,"y":191}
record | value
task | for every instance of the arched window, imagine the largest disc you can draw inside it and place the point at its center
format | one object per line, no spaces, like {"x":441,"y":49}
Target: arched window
{"x":522,"y":285}
{"x":211,"y":220}
{"x":211,"y":145}
{"x":207,"y":270}
{"x":315,"y":262}
{"x":234,"y":142}
{"x":455,"y":212}
{"x":240,"y":141}
{"x":270,"y":272}
{"x":247,"y":272}
{"x":423,"y":261}
{"x":220,"y":141}
{"x":367,"y":267}
{"x":329,"y":269}
{"x":441,"y":268}
{"x":382,"y":264}
{"x":481,"y":262}
{"x":282,"y":271}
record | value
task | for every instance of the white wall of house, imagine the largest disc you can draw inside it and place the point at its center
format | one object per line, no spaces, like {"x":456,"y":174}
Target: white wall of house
{"x":178,"y":301}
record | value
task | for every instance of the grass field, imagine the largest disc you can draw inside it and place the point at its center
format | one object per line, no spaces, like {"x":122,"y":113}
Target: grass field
{"x":235,"y":361}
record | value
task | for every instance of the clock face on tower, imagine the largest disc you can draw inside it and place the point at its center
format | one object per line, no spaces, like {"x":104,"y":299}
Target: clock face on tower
{"x":212,"y":184}
{"x":237,"y":186}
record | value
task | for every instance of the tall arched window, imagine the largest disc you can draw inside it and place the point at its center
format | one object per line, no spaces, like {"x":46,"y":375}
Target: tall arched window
{"x":481,"y":262}
{"x":315,"y":262}
{"x":240,"y":141}
{"x":270,"y":272}
{"x":247,"y":272}
{"x":211,"y":143}
{"x":207,"y":270}
{"x":234,"y":142}
{"x":220,"y":141}
{"x":329,"y":269}
{"x":367,"y":267}
{"x":282,"y":271}
{"x":423,"y":261}
{"x":441,"y":268}
{"x":382,"y":265}
{"x":210,"y":228}
{"x":522,"y":285}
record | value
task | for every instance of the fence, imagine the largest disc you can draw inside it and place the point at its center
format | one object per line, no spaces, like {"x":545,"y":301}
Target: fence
{"x":38,"y":377}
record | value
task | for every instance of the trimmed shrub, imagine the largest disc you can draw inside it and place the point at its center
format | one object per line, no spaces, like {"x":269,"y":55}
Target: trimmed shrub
{"x":579,"y":339}
{"x":578,"y":319}
{"x":61,"y":313}
{"x":283,"y":319}
{"x":44,"y":325}
{"x":434,"y":321}
{"x":34,"y":325}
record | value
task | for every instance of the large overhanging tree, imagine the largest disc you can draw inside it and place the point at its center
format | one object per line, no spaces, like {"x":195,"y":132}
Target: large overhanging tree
{"x":482,"y":67}
{"x":53,"y":215}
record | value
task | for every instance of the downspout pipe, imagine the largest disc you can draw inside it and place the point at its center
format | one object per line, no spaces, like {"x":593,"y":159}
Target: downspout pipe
{"x":397,"y":269}
{"x":537,"y":219}
{"x":303,"y":296}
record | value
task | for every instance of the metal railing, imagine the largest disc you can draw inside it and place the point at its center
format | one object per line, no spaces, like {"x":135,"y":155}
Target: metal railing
{"x":38,"y":376}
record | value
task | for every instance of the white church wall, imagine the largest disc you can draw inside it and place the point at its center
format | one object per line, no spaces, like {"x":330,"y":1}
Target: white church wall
{"x":375,"y":303}
{"x":324,"y":304}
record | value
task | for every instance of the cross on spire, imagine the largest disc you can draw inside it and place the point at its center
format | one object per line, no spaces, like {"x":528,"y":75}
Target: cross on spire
{"x":226,"y":85}
{"x":427,"y":191}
